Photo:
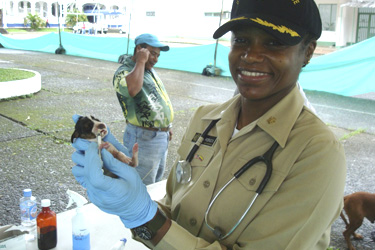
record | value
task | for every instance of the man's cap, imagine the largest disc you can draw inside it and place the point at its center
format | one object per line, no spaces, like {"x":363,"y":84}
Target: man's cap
{"x":151,"y":40}
{"x":287,"y":20}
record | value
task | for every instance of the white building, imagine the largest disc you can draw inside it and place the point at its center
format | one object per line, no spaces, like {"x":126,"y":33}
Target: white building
{"x":13,"y":12}
{"x":344,"y":21}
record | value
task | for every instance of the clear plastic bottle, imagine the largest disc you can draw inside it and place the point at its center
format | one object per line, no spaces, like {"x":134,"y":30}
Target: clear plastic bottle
{"x":80,"y":229}
{"x":28,"y":209}
{"x":46,"y":227}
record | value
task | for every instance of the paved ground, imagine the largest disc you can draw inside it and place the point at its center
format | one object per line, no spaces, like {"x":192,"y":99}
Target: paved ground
{"x":35,"y":132}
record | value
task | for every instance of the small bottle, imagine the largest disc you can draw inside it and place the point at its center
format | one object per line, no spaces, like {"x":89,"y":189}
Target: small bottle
{"x":28,"y":209}
{"x":46,"y":227}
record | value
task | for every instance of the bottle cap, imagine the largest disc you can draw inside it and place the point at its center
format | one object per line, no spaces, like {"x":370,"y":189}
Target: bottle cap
{"x":46,"y":203}
{"x":27,"y":192}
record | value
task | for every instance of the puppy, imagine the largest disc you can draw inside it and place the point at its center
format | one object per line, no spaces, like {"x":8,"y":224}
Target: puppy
{"x":89,"y":127}
{"x":357,"y":206}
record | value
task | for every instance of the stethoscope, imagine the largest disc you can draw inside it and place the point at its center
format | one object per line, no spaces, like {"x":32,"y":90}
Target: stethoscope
{"x":183,"y":176}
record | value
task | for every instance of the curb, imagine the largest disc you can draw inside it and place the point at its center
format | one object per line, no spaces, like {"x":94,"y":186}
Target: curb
{"x":21,"y":87}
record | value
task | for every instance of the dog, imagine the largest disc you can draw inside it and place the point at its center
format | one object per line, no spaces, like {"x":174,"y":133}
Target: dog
{"x":357,"y":206}
{"x":89,"y":127}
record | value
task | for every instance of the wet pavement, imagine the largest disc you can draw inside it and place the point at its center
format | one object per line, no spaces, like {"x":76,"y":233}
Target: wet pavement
{"x":35,"y":132}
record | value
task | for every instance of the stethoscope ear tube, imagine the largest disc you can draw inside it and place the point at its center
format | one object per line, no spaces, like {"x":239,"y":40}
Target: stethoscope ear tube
{"x":267,"y":159}
{"x":200,"y":140}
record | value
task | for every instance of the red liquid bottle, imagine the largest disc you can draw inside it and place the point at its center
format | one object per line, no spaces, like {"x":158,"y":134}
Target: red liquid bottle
{"x":46,"y":227}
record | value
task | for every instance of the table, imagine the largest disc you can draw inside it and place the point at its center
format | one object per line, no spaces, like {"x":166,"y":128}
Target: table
{"x":105,"y":229}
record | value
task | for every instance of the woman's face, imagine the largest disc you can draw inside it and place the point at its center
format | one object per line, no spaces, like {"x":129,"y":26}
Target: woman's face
{"x":262,"y":67}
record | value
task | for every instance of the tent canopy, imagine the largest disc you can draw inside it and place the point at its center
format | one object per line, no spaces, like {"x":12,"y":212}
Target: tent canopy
{"x":349,"y":71}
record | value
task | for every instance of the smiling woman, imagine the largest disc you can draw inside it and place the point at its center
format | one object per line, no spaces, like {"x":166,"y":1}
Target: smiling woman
{"x":17,"y":82}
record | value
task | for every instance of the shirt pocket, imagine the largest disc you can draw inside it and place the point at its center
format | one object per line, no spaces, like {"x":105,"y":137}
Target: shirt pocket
{"x":201,"y":158}
{"x":253,"y":176}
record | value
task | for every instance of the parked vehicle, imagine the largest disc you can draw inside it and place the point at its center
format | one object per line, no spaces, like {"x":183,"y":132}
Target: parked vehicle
{"x":90,"y":28}
{"x":101,"y":27}
{"x":81,"y":27}
{"x":122,"y":30}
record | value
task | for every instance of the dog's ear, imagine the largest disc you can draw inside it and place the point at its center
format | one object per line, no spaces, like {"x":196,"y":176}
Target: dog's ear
{"x":74,"y":135}
{"x":94,"y":118}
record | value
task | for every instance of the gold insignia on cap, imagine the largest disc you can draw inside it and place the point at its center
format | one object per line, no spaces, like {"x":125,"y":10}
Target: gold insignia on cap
{"x":271,"y":120}
{"x":238,"y":18}
{"x":296,"y":2}
{"x":279,"y":28}
{"x":238,"y":2}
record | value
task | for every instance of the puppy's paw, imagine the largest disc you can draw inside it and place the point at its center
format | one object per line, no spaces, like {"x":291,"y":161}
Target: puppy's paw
{"x":134,"y":162}
{"x":122,"y":157}
{"x":358,"y":236}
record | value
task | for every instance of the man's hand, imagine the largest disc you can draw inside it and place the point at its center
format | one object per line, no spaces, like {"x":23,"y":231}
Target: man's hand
{"x":142,"y":55}
{"x":170,"y":134}
{"x":134,"y":79}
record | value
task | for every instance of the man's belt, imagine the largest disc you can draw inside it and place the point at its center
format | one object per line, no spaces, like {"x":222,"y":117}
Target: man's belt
{"x":153,"y":129}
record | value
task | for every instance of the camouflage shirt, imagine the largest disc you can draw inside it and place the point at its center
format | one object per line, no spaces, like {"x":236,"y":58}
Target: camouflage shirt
{"x":151,"y":107}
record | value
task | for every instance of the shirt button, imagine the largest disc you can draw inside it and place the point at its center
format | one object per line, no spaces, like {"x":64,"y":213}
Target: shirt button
{"x":206,"y":184}
{"x":252,"y":181}
{"x":193,"y":222}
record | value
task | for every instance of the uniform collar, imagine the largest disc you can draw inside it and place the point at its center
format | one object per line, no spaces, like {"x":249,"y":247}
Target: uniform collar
{"x":277,"y":122}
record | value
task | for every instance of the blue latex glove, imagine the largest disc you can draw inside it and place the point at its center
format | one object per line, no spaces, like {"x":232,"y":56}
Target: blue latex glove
{"x":108,"y":138}
{"x":126,"y":196}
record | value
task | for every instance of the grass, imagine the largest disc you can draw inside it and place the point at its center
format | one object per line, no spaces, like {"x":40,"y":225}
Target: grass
{"x":7,"y":75}
{"x":351,"y":134}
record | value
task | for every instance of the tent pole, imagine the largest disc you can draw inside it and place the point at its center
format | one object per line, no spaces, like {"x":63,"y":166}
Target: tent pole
{"x":217,"y":40}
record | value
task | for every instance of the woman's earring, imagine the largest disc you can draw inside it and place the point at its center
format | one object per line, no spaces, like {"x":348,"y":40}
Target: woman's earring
{"x":304,"y":65}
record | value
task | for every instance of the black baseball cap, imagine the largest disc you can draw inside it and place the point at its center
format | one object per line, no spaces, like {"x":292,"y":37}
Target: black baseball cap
{"x":287,"y":20}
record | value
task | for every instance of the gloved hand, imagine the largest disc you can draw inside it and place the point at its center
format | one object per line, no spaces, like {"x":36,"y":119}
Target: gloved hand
{"x":126,"y":196}
{"x":109,"y":138}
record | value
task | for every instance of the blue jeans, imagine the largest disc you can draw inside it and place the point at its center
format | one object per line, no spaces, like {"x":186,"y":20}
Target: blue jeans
{"x":152,"y":154}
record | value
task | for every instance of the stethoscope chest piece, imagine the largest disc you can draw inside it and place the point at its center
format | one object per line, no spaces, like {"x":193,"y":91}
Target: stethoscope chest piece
{"x":183,"y":172}
{"x":183,"y":168}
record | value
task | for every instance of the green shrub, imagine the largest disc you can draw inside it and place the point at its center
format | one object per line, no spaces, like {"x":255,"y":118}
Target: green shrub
{"x":72,"y":19}
{"x":35,"y":21}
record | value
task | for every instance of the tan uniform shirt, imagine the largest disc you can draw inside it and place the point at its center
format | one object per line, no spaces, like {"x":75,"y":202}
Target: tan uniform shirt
{"x":297,"y":207}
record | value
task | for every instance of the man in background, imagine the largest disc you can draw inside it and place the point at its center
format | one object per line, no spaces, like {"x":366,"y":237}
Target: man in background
{"x":146,"y":107}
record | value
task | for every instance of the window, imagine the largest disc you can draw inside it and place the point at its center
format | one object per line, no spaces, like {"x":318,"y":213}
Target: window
{"x":11,"y":6}
{"x":212,"y":13}
{"x":328,"y":15}
{"x":226,"y":14}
